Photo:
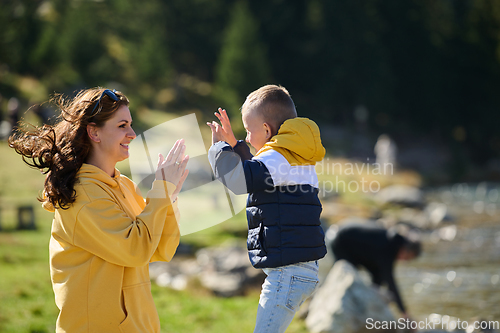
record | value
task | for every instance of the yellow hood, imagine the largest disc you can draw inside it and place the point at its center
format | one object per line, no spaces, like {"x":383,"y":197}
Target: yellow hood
{"x":90,"y":172}
{"x":48,"y":206}
{"x":299,"y":141}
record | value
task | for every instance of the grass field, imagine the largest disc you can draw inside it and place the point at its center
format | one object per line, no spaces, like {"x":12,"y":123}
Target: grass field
{"x":26,"y":297}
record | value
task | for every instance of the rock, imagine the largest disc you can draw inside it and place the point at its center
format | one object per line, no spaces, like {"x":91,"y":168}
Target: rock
{"x":174,"y":274}
{"x":354,"y":220}
{"x":401,"y":195}
{"x":437,"y":213}
{"x":447,"y":233}
{"x":344,"y":303}
{"x":227,"y":270}
{"x":177,"y":282}
{"x":433,"y":216}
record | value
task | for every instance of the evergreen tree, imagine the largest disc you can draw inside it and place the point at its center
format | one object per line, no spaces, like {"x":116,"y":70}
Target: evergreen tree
{"x":243,"y":65}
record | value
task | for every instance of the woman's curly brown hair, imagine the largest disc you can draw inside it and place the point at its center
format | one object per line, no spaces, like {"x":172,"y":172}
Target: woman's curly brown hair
{"x":60,"y":150}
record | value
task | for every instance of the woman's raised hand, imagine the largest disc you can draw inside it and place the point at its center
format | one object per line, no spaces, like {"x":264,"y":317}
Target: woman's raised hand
{"x":173,"y":168}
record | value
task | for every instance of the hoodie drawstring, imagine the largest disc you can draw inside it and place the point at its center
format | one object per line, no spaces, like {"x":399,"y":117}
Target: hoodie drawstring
{"x":119,"y":186}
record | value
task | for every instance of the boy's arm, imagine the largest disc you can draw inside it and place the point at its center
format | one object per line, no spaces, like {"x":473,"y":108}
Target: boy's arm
{"x":236,"y":173}
{"x":242,"y":149}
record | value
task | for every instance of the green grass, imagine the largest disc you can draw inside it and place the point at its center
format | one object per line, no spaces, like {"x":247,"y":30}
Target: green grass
{"x":26,"y":297}
{"x":25,"y":290}
{"x":196,"y":311}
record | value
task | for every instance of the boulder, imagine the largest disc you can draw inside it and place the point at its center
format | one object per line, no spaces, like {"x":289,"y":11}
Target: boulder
{"x":404,"y":195}
{"x":227,"y":270}
{"x":174,"y":274}
{"x":437,"y":213}
{"x":345,"y":301}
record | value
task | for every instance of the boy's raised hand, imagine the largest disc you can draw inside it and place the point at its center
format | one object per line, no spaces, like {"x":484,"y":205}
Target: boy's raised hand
{"x":222,"y":132}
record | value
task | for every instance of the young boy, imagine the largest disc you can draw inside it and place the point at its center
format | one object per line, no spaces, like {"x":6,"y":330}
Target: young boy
{"x":285,"y":238}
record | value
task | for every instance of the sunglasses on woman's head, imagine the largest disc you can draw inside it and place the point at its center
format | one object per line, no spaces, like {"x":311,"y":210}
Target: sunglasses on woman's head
{"x":110,"y":94}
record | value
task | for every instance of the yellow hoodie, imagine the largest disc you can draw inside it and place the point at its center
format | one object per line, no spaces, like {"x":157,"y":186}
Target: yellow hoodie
{"x":298,"y":140}
{"x":100,"y":249}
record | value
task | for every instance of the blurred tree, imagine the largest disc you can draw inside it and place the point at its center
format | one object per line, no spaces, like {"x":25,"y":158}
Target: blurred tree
{"x":92,"y":43}
{"x":137,"y":40}
{"x":242,"y":66}
{"x":360,"y":71}
{"x":418,"y":66}
{"x":194,"y":34}
{"x":474,"y":58}
{"x":330,"y":55}
{"x":72,"y":49}
{"x":294,"y":32}
{"x":19,"y":27}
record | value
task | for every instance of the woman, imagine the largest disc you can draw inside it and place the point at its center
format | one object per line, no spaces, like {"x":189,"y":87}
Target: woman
{"x":104,"y":233}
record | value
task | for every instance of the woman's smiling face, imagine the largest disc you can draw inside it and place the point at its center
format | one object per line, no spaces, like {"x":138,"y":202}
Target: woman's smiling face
{"x":115,"y":137}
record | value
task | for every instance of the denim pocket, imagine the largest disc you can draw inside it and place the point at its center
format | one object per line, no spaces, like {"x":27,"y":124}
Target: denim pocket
{"x":300,"y":289}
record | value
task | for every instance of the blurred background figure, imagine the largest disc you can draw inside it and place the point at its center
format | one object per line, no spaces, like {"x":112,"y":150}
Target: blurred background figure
{"x":376,"y":249}
{"x":13,"y":112}
{"x":43,"y":113}
{"x":4,"y":124}
{"x":385,"y":152}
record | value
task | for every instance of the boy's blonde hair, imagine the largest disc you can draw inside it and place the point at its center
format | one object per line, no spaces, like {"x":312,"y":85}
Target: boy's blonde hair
{"x":273,"y":103}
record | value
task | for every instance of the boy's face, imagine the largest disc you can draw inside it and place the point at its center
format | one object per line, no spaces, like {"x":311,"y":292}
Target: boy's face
{"x":258,"y":132}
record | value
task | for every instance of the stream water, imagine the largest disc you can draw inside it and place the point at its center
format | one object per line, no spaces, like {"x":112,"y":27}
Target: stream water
{"x":458,"y":274}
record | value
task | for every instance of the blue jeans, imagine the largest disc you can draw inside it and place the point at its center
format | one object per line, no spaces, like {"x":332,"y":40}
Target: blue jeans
{"x":283,"y":291}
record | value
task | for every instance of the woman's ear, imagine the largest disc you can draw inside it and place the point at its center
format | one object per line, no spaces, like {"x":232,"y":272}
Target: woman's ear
{"x":93,"y":132}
